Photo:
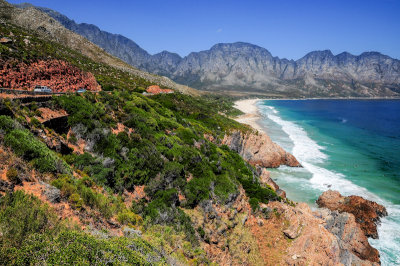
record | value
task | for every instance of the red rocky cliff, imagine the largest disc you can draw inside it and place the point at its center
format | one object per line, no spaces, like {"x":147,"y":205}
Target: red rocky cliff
{"x":367,"y":213}
{"x":59,"y":75}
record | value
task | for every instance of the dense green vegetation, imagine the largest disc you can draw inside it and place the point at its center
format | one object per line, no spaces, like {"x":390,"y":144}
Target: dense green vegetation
{"x":167,"y":150}
{"x":33,"y":235}
{"x":30,"y":148}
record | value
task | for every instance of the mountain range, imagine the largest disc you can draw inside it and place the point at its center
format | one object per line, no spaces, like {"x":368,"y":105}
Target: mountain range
{"x":251,"y":69}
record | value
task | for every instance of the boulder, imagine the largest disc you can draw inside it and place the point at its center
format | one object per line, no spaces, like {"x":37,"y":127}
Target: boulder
{"x":130,"y":232}
{"x":53,"y":194}
{"x":5,"y":40}
{"x":6,"y":186}
{"x":281,"y":193}
{"x":322,"y":237}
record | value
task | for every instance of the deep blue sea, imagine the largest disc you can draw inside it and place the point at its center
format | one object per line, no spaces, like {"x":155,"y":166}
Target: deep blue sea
{"x":352,"y":146}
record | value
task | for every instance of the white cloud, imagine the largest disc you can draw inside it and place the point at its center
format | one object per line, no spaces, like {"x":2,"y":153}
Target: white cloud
{"x":219,"y":30}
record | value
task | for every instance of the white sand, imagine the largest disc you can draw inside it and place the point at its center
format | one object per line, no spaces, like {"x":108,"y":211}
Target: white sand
{"x":251,"y":114}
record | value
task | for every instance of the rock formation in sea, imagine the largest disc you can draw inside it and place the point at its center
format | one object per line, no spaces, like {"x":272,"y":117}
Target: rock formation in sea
{"x":367,"y":213}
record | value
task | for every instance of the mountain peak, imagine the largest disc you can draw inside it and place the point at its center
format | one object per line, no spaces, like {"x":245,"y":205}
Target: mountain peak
{"x":373,"y":54}
{"x":235,"y":45}
{"x":322,"y":53}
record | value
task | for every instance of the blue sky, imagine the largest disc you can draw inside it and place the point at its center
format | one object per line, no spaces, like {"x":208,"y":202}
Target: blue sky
{"x":286,"y":28}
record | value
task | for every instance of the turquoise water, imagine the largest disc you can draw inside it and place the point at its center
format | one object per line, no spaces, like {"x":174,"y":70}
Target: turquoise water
{"x":352,"y":146}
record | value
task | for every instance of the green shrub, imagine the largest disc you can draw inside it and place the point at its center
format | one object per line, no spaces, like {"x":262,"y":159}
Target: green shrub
{"x":22,"y":215}
{"x":24,"y":144}
{"x":78,"y":248}
{"x":65,"y":184}
{"x":201,"y":232}
{"x":72,"y":138}
{"x":186,"y":135}
{"x":196,"y":190}
{"x":7,"y":123}
{"x":254,"y":203}
{"x":35,"y":122}
{"x":32,"y":235}
{"x":129,"y":218}
{"x":75,"y":201}
{"x":12,"y":176}
{"x":139,"y":89}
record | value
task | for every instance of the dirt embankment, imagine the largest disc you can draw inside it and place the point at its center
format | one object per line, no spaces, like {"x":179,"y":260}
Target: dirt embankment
{"x":59,"y":75}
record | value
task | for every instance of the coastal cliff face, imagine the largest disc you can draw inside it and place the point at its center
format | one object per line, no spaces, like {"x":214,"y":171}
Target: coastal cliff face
{"x":258,"y":149}
{"x":327,"y":237}
{"x":281,"y":234}
{"x":334,"y":236}
{"x":353,"y":243}
{"x":367,"y":213}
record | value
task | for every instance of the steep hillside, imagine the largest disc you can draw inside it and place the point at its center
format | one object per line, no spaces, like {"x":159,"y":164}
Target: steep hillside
{"x":42,"y":24}
{"x":249,"y":68}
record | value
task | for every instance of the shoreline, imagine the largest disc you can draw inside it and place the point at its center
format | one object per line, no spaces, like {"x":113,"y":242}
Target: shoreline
{"x":331,"y":98}
{"x":326,"y":98}
{"x":251,"y":114}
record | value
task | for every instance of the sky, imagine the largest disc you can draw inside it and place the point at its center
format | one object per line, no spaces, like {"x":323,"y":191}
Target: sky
{"x":287,"y":28}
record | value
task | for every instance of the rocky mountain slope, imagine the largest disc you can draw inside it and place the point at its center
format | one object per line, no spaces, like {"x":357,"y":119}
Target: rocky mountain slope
{"x":250,"y":68}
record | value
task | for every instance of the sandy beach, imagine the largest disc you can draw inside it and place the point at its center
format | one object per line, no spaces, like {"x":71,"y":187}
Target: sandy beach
{"x":251,"y":114}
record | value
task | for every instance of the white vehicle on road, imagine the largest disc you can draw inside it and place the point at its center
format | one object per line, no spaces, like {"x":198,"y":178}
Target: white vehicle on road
{"x":45,"y":89}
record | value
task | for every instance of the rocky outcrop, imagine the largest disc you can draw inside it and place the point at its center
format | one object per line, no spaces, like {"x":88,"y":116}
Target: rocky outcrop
{"x":265,"y":178}
{"x":155,"y":89}
{"x":59,"y":75}
{"x":258,"y":149}
{"x":351,"y":238}
{"x":324,"y":237}
{"x":280,"y":234}
{"x":367,"y":213}
{"x":52,"y":194}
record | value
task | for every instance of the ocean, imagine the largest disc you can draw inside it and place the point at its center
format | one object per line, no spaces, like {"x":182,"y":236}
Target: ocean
{"x":352,"y":146}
